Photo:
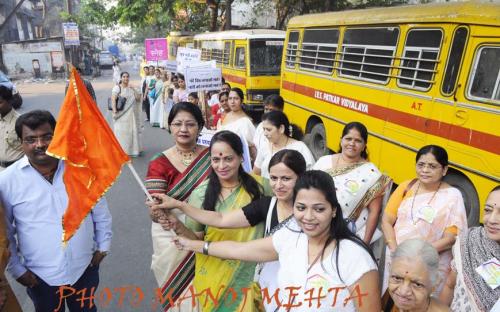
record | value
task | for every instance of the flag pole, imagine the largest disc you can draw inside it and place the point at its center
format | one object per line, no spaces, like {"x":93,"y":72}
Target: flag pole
{"x":143,"y":187}
{"x":138,"y":179}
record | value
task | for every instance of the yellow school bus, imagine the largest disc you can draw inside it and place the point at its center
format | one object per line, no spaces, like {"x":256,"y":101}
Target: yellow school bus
{"x":177,"y":39}
{"x":249,"y":59}
{"x":414,"y":75}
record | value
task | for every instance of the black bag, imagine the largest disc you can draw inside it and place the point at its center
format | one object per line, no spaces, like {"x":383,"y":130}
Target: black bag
{"x":120,"y":102}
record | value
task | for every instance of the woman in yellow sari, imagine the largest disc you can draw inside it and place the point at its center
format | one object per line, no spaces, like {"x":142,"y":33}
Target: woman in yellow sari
{"x":229,"y":187}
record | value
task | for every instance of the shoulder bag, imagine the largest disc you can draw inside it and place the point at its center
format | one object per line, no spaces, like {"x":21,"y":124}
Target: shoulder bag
{"x":120,"y":101}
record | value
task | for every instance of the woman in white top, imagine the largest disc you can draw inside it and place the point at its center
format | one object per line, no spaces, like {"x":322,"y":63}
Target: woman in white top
{"x":285,"y":168}
{"x":271,"y":103}
{"x":281,"y":134}
{"x":238,"y":121}
{"x":180,"y":94}
{"x":117,"y":70}
{"x":360,"y":185}
{"x":323,"y":265}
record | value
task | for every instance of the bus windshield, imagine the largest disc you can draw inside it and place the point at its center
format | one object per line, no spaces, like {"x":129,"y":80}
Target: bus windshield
{"x":265,"y":57}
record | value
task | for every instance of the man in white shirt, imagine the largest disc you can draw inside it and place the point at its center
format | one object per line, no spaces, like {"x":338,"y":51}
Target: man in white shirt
{"x":35,"y":198}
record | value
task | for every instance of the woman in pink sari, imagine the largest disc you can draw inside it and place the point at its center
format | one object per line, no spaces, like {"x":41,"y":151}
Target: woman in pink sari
{"x":427,"y":208}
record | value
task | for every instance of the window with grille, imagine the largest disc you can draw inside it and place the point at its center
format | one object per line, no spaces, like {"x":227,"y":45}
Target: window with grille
{"x":485,"y":81}
{"x":318,"y":49}
{"x":420,"y":58}
{"x":291,"y":49}
{"x":368,"y":53}
{"x":217,"y":55}
{"x":205,"y":54}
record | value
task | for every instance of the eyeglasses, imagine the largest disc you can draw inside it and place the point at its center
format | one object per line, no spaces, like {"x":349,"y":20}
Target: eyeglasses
{"x":44,"y":139}
{"x":189,"y":125}
{"x":422,"y":165}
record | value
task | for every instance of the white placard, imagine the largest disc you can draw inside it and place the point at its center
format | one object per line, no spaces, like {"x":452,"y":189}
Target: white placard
{"x":202,"y":64}
{"x":186,"y":56}
{"x":203,"y":79}
{"x":171,"y":66}
{"x":206,"y":136}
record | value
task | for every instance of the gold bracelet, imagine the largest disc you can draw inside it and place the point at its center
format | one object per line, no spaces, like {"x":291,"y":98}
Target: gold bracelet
{"x":389,"y":241}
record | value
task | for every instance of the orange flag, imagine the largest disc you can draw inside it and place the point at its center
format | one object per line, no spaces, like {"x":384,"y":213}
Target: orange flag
{"x":93,"y":156}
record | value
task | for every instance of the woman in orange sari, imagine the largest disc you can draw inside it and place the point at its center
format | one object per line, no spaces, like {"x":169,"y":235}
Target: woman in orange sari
{"x":176,"y":172}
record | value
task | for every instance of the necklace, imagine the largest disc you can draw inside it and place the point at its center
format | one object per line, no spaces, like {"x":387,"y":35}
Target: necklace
{"x":427,"y":209}
{"x":344,"y":161}
{"x":186,"y":157}
{"x":231,"y":188}
{"x":278,"y":147}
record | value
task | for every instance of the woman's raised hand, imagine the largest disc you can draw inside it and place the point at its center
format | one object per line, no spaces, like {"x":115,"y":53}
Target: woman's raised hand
{"x":163,"y":201}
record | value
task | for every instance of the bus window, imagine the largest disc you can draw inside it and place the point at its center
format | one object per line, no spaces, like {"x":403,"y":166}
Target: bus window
{"x":227,"y":52}
{"x":217,"y":55}
{"x":454,"y":60}
{"x":265,"y":57}
{"x":239,"y":61}
{"x":367,"y":54}
{"x":420,"y":57}
{"x":486,"y":74}
{"x":291,"y":49}
{"x":318,"y":49}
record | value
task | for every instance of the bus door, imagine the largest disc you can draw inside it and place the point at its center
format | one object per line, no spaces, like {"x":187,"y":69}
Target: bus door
{"x":288,"y":71}
{"x":237,"y":76}
{"x":473,"y":140}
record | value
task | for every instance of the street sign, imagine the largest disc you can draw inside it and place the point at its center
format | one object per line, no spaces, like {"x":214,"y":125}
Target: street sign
{"x":156,"y":49}
{"x":71,"y":34}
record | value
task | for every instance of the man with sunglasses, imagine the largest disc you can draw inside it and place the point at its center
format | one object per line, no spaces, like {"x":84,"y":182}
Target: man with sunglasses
{"x":34,"y":195}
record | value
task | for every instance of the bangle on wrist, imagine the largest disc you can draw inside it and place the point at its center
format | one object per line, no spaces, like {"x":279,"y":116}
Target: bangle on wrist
{"x":389,"y":241}
{"x":205,"y":247}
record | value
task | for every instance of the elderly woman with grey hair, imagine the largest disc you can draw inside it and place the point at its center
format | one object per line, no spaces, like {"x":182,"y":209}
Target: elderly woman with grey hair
{"x":413,"y":277}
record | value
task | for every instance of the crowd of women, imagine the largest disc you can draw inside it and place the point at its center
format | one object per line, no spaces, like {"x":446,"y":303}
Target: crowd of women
{"x":294,"y":234}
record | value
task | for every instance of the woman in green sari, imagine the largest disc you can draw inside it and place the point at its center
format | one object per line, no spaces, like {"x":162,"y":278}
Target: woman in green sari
{"x":228,"y":187}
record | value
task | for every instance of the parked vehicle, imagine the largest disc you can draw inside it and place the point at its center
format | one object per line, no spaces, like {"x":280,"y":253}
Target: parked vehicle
{"x":17,"y":100}
{"x":250,"y":59}
{"x":414,"y":75}
{"x":105,"y":60}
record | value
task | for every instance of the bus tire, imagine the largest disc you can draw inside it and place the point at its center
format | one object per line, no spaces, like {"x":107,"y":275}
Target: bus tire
{"x":317,"y":141}
{"x":469,"y":194}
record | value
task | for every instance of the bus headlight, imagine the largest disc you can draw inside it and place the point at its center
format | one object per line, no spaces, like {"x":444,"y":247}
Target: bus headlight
{"x":256,"y":97}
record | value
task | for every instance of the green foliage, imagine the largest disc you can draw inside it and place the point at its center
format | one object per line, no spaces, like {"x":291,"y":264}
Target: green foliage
{"x":161,"y":15}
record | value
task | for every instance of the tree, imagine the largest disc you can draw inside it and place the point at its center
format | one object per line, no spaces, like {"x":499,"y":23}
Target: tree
{"x":162,"y":15}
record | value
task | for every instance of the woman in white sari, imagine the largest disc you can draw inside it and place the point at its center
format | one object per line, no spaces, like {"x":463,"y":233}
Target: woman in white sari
{"x":359,"y":184}
{"x":127,"y":121}
{"x":237,"y":121}
{"x":156,"y":100}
